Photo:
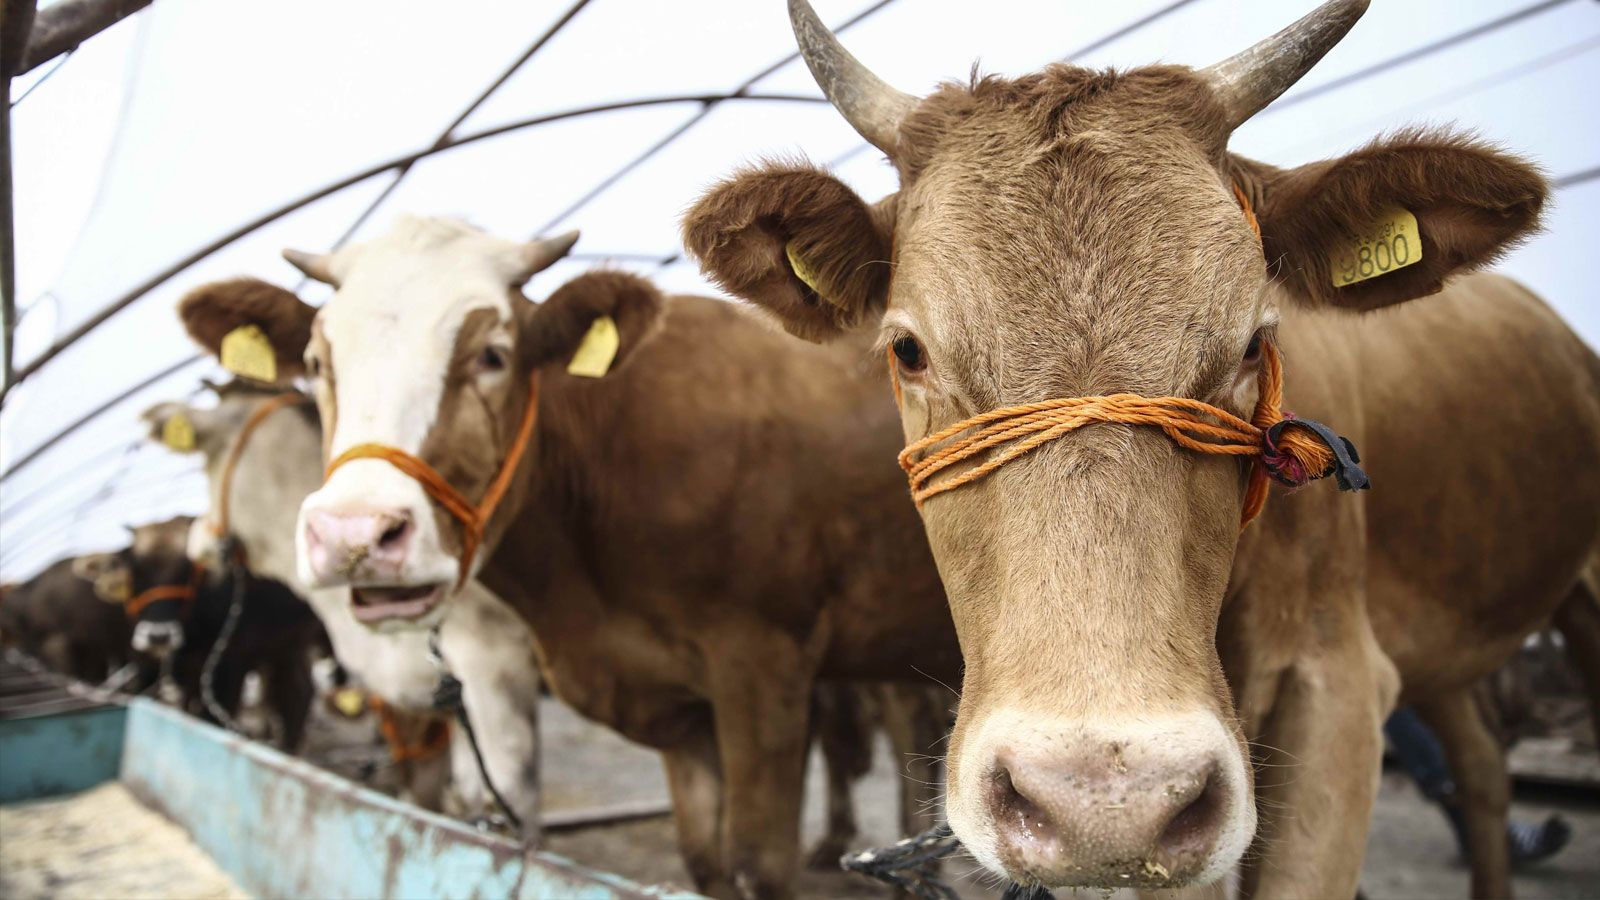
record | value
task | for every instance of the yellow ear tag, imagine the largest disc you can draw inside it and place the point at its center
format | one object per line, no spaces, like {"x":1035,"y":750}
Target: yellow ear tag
{"x":1389,"y":243}
{"x":349,"y":701}
{"x":599,"y":348}
{"x":246,"y":351}
{"x":805,"y":273}
{"x":178,"y":433}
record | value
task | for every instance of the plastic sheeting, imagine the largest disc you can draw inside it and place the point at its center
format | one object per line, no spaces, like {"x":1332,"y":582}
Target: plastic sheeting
{"x":192,"y":117}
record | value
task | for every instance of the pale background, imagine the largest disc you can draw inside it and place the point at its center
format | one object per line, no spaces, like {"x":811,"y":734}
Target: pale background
{"x":195,"y":116}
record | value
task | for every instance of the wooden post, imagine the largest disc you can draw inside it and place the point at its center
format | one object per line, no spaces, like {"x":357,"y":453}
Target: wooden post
{"x":65,"y":25}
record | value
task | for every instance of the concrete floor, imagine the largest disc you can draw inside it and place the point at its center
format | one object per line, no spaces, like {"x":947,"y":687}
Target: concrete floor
{"x":1411,"y":854}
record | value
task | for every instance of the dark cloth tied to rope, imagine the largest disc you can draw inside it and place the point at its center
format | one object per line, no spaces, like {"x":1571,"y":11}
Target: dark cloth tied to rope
{"x":909,"y":866}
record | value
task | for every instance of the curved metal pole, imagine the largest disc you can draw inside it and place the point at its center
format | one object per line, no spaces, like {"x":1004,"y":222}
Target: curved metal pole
{"x":267,"y":218}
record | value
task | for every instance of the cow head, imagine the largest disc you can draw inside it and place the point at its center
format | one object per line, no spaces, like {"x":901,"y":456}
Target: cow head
{"x":1076,"y":233}
{"x":428,"y":347}
{"x":156,"y":558}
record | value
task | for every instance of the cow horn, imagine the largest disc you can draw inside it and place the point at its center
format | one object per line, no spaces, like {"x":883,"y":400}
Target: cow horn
{"x":535,"y":256}
{"x":1248,"y":81}
{"x":871,"y":106}
{"x":314,"y":265}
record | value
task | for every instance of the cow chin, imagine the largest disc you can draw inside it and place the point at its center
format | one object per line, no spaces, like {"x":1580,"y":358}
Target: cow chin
{"x":1148,"y":803}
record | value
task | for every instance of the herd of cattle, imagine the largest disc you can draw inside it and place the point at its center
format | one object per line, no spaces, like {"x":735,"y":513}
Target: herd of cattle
{"x":689,"y":526}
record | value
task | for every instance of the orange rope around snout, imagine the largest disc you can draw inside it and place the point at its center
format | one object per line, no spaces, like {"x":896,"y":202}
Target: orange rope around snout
{"x":184,"y":592}
{"x":1192,"y":424}
{"x":474,"y":519}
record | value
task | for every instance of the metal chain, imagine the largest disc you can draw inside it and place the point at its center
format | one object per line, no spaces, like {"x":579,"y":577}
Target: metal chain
{"x":447,"y":695}
{"x":908,"y":866}
{"x":227,"y":549}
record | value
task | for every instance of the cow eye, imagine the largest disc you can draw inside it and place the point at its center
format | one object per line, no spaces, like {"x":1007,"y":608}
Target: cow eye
{"x":909,"y":352}
{"x":314,"y":365}
{"x":492,"y":359}
{"x":1252,"y":353}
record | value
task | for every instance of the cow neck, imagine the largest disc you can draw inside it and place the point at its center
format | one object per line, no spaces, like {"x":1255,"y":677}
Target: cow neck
{"x":219,"y":527}
{"x":183,"y":592}
{"x":474,"y":519}
{"x":1290,"y":456}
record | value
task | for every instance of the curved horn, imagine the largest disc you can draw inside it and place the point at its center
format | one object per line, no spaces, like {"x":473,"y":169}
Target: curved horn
{"x":535,"y":256}
{"x":314,"y":265}
{"x":871,"y":106}
{"x":1248,"y":81}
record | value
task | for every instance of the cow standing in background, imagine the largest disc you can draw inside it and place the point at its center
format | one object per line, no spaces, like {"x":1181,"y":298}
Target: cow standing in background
{"x":688,"y":563}
{"x":70,"y":618}
{"x":1075,"y":235}
{"x":275,"y":633}
{"x":486,"y":645}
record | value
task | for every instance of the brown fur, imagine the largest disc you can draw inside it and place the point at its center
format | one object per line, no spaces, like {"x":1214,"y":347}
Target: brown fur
{"x":1073,"y":233}
{"x":210,"y":311}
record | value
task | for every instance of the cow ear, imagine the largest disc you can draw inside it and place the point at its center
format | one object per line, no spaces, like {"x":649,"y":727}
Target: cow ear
{"x":210,"y":312}
{"x":794,"y":240}
{"x":177,"y":426}
{"x":1471,"y":203}
{"x":555,"y":330}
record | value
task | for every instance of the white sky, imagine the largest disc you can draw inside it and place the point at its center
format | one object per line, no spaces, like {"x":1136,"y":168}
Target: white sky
{"x":189,"y":119}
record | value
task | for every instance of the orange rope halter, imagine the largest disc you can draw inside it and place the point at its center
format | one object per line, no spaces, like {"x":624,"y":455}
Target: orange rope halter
{"x":1292,"y":456}
{"x":435,"y":738}
{"x":184,"y":592}
{"x":474,"y":519}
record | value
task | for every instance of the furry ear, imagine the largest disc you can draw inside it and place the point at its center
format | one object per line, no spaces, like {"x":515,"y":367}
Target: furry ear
{"x":1471,"y":203}
{"x":794,"y":240}
{"x":212,"y":310}
{"x":553,"y":330}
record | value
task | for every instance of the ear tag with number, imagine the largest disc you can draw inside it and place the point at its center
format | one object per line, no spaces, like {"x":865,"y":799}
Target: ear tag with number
{"x":1390,"y":242}
{"x":246,"y":351}
{"x":599,"y":348}
{"x":178,"y":433}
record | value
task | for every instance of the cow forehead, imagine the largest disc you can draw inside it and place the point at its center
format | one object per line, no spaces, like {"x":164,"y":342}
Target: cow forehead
{"x":1085,"y":266}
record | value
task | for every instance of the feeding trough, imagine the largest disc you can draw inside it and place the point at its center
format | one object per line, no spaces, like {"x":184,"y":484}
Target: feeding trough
{"x":275,"y":825}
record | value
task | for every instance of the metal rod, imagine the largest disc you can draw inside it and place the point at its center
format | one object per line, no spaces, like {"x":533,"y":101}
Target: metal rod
{"x":167,"y":273}
{"x":17,"y":20}
{"x":61,"y":27}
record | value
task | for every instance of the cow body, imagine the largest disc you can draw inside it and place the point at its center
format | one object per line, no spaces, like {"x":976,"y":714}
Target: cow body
{"x":58,"y":618}
{"x":1140,"y":676}
{"x":486,"y":646}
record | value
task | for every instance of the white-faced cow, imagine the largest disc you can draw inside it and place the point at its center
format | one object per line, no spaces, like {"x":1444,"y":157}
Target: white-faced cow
{"x":486,"y":645}
{"x":1076,"y":283}
{"x":695,"y":536}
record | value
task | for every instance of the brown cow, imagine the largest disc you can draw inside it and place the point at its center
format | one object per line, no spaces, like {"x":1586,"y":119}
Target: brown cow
{"x":694,"y":537}
{"x":1076,"y":233}
{"x":70,"y":618}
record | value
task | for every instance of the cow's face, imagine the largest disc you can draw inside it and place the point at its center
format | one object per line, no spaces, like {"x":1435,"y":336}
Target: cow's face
{"x":427,"y":347}
{"x":1071,"y":234}
{"x":157,"y":557}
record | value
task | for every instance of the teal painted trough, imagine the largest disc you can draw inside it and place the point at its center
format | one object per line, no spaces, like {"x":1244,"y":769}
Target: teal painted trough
{"x":278,"y":826}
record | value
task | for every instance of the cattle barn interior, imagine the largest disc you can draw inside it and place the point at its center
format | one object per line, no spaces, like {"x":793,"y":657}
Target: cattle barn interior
{"x":452,"y":455}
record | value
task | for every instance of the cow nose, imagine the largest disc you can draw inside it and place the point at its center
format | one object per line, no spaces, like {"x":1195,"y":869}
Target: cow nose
{"x":1107,"y":816}
{"x":357,"y":543}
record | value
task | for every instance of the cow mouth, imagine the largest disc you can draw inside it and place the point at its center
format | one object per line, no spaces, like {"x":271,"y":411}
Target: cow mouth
{"x":382,"y":604}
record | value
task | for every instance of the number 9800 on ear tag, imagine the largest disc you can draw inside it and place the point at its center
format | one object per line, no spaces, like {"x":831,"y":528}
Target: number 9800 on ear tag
{"x":1390,"y":242}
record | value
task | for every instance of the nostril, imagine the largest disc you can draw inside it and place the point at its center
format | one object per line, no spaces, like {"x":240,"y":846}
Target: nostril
{"x":1013,"y":811}
{"x":394,"y":534}
{"x":1192,"y":831}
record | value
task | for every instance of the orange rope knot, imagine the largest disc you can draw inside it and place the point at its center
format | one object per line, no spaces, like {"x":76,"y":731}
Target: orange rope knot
{"x":474,"y":519}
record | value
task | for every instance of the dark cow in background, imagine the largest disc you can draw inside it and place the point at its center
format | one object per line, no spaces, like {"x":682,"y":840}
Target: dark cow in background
{"x":695,"y":537}
{"x":70,"y":617}
{"x":1141,"y":676}
{"x":276,"y":633}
